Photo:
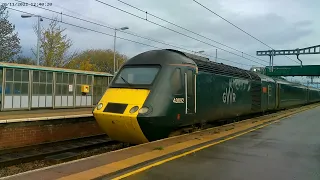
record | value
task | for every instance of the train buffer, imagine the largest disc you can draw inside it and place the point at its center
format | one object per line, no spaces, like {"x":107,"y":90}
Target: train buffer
{"x":279,"y":149}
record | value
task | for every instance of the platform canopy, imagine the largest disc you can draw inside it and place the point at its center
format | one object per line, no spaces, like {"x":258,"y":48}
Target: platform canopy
{"x":306,"y":70}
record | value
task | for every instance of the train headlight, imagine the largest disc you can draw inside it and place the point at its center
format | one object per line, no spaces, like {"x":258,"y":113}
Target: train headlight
{"x":134,"y":109}
{"x":143,"y":110}
{"x":99,"y":106}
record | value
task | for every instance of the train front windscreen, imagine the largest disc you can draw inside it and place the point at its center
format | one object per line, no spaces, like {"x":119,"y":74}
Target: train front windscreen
{"x":136,"y":76}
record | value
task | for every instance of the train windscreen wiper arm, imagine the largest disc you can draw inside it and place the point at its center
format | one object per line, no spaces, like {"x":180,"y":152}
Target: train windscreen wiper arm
{"x":125,"y":81}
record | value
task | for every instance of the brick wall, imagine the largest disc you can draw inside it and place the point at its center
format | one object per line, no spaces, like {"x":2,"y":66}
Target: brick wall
{"x":21,"y":134}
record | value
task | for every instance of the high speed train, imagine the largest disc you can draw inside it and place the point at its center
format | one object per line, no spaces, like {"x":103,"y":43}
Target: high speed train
{"x":159,"y":91}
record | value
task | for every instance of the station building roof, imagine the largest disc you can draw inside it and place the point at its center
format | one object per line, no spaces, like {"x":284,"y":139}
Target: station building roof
{"x":53,"y":69}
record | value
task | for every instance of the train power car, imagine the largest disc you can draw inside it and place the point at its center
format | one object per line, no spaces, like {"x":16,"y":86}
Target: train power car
{"x":159,"y":91}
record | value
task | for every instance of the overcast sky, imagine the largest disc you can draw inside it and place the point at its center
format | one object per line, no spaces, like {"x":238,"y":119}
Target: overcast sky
{"x":281,"y":24}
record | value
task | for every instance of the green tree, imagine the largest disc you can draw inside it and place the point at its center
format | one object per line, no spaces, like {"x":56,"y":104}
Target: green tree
{"x":9,"y":41}
{"x":54,"y":45}
{"x":25,"y":60}
{"x":84,"y":64}
{"x":96,"y":60}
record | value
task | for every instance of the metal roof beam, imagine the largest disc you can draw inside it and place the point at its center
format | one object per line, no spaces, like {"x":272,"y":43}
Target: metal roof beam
{"x":307,"y":50}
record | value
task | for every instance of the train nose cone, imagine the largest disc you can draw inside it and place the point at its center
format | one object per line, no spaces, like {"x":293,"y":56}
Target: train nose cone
{"x":117,"y":119}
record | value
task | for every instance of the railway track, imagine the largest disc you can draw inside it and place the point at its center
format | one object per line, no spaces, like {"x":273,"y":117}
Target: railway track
{"x":61,"y":150}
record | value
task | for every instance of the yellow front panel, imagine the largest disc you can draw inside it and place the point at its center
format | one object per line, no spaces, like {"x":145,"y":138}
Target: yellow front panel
{"x":122,"y":127}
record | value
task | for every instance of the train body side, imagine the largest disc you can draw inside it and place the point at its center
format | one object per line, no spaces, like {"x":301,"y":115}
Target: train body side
{"x":220,"y":97}
{"x":313,"y":95}
{"x":291,"y":94}
{"x":268,"y":93}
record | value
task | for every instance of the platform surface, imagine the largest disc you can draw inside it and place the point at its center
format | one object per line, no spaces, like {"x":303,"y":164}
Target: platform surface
{"x":285,"y":147}
{"x":8,"y":115}
{"x":289,"y":149}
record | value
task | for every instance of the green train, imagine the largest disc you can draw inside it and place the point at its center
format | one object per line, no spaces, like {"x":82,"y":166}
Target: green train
{"x":160,"y":91}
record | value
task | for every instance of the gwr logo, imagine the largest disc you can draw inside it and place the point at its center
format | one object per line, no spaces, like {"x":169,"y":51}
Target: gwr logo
{"x":229,"y":96}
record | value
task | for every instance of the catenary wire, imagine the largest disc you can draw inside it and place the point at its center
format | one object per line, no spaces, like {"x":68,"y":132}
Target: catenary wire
{"x":237,"y":27}
{"x":178,"y":32}
{"x":109,"y":27}
{"x":188,"y":30}
{"x":87,"y":29}
{"x":122,"y":31}
{"x":129,"y":33}
{"x":112,"y":35}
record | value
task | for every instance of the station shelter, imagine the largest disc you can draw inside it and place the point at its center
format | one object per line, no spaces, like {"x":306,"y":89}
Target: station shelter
{"x":27,"y":87}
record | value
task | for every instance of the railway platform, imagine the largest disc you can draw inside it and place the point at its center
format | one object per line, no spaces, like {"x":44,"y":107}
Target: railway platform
{"x":288,"y":149}
{"x":45,"y":114}
{"x":283,"y":145}
{"x":27,"y":128}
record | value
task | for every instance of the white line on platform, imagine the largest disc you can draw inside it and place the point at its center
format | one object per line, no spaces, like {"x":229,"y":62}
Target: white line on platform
{"x":44,"y":118}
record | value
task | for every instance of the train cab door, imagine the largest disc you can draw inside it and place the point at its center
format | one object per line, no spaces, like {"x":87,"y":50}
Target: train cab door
{"x":277,"y":95}
{"x":190,"y":77}
{"x":269,"y":96}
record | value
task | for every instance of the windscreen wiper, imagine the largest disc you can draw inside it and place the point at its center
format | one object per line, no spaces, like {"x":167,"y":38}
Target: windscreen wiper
{"x":125,"y":81}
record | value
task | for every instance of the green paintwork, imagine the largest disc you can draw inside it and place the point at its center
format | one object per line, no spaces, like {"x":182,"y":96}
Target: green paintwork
{"x":162,"y":117}
{"x":268,"y":98}
{"x":211,"y":104}
{"x":291,"y":94}
{"x":313,"y":95}
{"x":218,"y":95}
{"x":211,"y":98}
{"x":306,"y":70}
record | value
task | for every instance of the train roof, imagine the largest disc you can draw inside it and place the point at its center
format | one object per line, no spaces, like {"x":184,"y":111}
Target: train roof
{"x":54,"y":69}
{"x":313,"y":88}
{"x":171,"y":56}
{"x":283,"y":81}
{"x":161,"y":57}
{"x":264,"y":77}
{"x":204,"y":64}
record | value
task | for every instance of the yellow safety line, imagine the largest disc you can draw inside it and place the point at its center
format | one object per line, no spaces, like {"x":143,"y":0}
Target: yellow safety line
{"x":200,"y":148}
{"x":186,"y":153}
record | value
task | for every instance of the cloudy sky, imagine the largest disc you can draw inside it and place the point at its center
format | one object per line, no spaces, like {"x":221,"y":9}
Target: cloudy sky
{"x":281,"y":24}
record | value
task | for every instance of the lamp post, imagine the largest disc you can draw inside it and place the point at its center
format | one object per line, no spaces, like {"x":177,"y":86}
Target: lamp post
{"x":38,"y":41}
{"x":114,"y":47}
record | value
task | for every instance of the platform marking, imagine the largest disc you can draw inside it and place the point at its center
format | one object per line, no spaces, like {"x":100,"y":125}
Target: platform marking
{"x":44,"y":118}
{"x":203,"y":147}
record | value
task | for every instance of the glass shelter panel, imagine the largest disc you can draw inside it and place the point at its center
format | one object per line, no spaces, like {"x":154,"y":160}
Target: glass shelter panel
{"x":99,"y":87}
{"x":64,"y":92}
{"x":41,"y":93}
{"x":83,"y":99}
{"x":16,"y":89}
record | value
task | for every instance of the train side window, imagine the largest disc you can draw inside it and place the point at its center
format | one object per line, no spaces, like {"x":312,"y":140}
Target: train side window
{"x":176,"y":82}
{"x":190,"y":82}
